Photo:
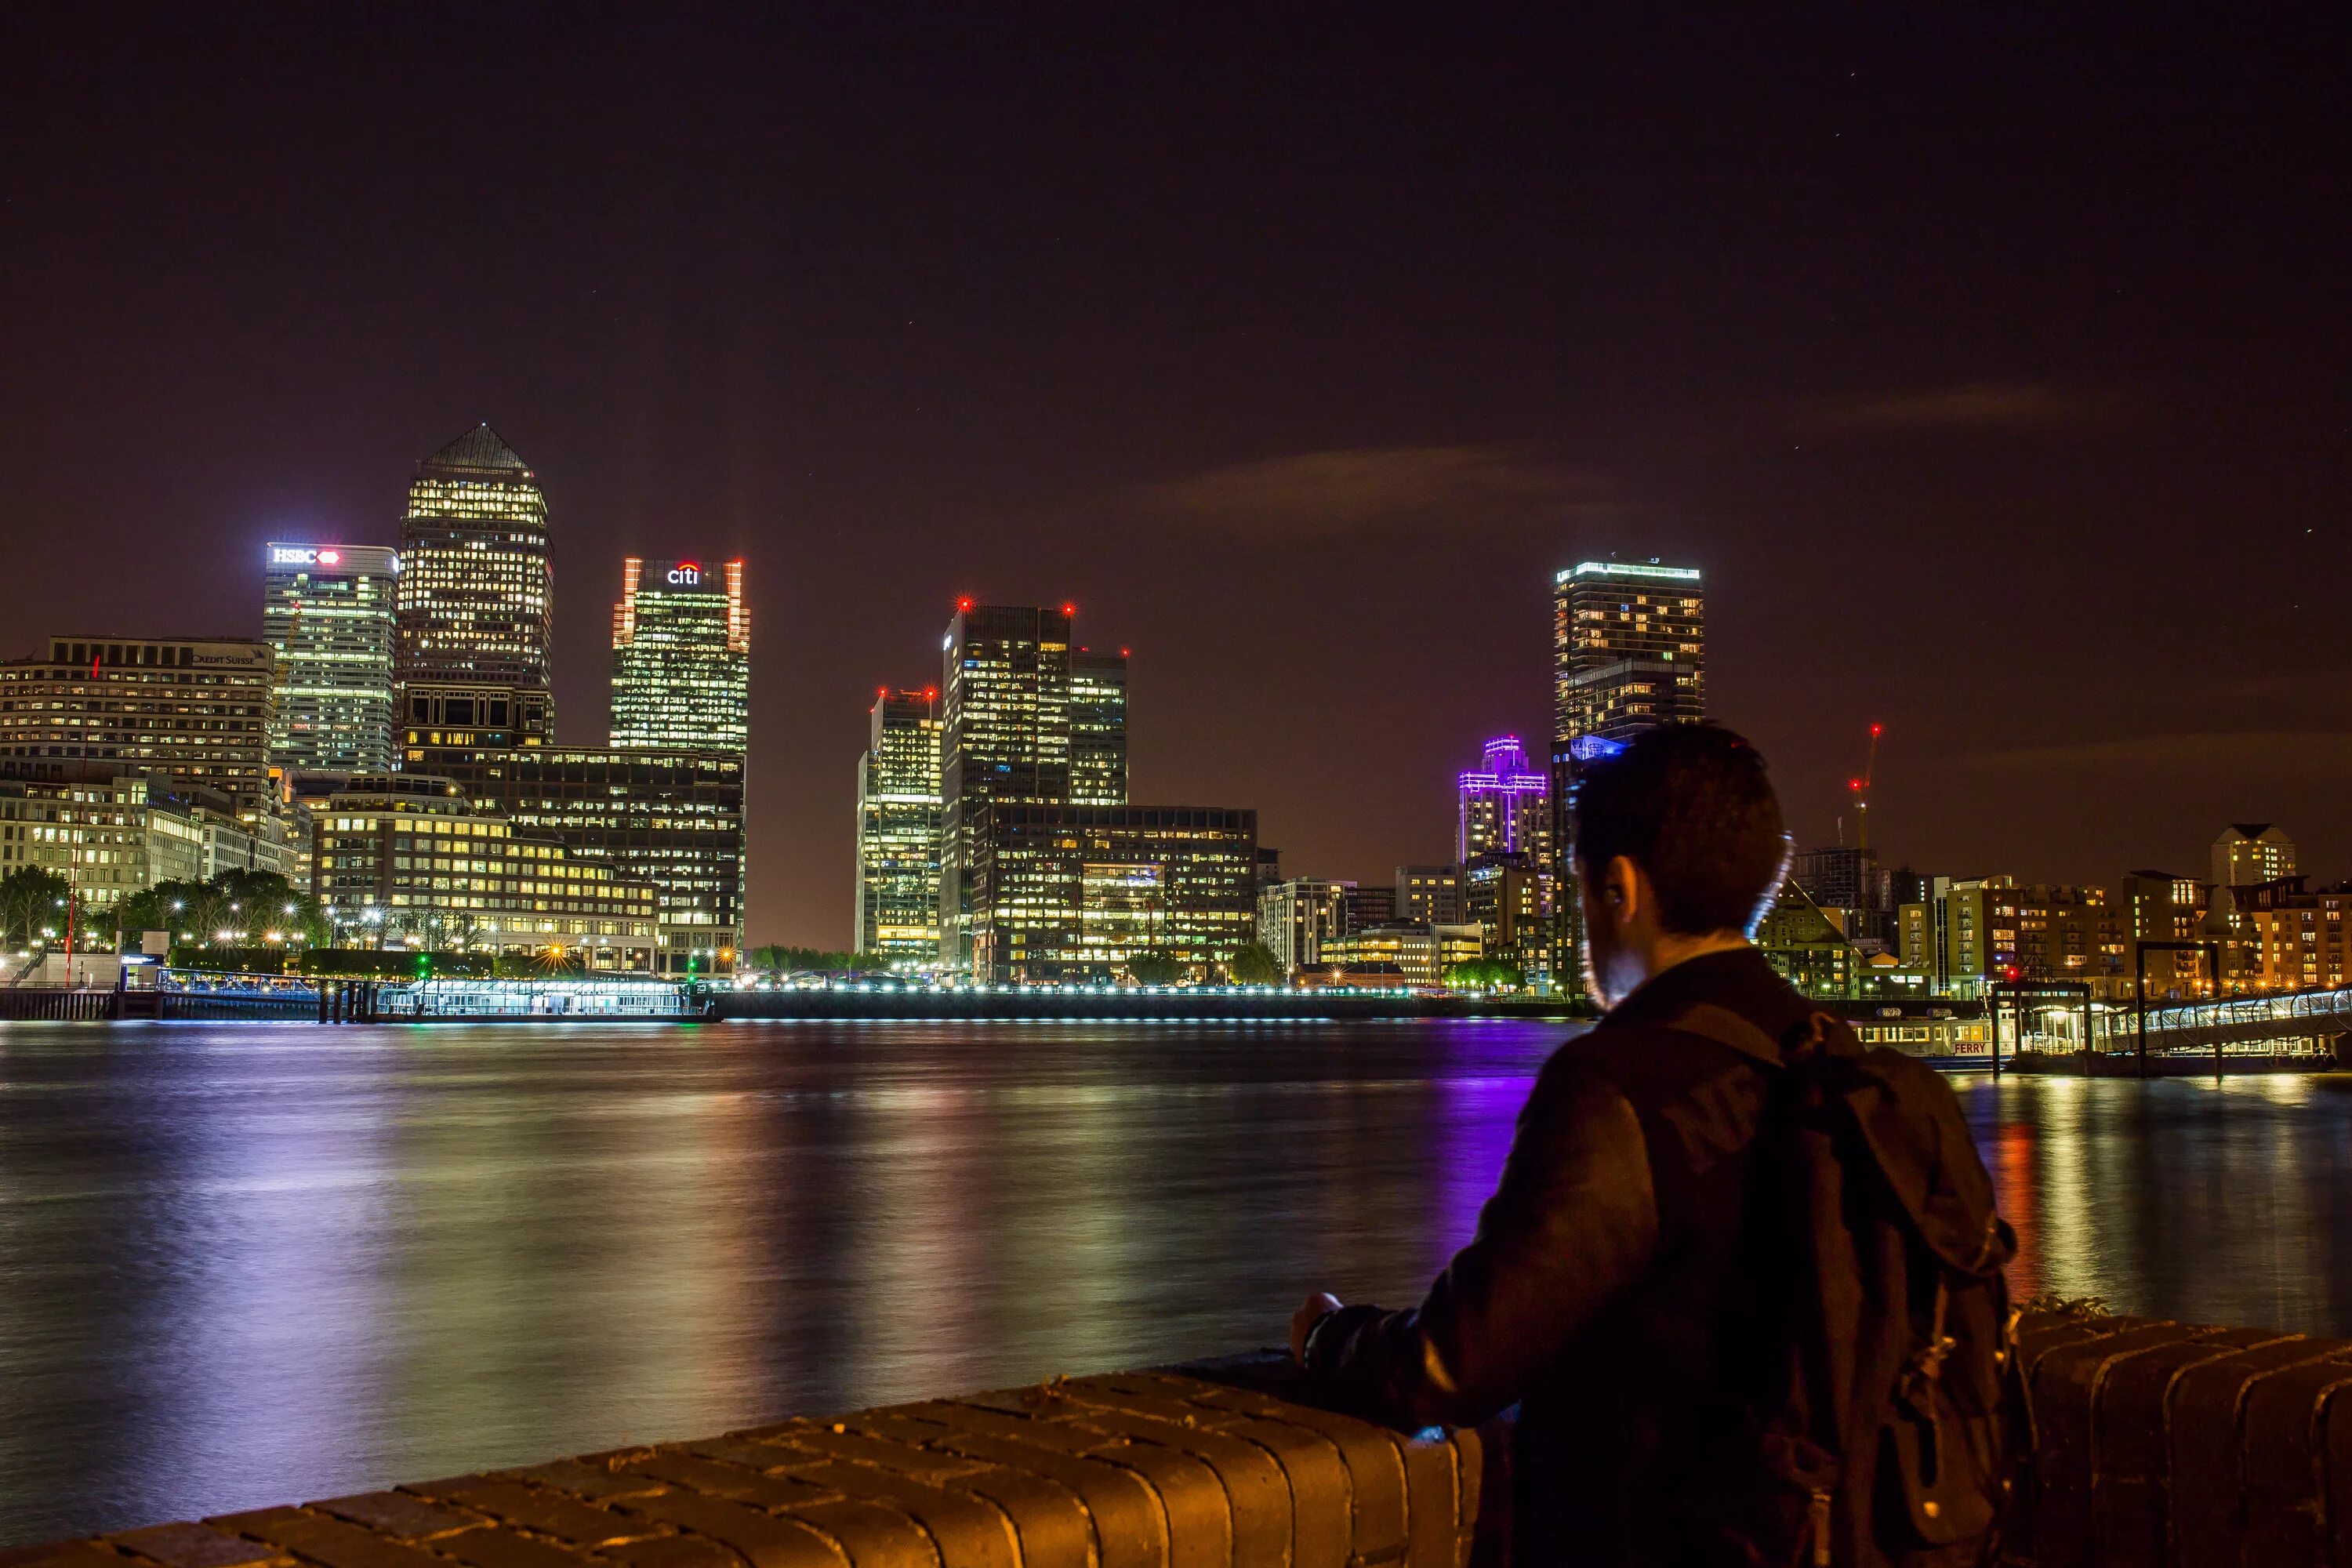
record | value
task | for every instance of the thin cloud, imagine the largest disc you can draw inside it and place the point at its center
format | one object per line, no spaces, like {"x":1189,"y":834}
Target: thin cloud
{"x":2270,"y":753}
{"x":1973,"y":406}
{"x":1315,"y":495}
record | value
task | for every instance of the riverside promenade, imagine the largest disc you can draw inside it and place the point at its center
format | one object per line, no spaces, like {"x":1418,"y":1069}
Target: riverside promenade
{"x":2160,"y":1443}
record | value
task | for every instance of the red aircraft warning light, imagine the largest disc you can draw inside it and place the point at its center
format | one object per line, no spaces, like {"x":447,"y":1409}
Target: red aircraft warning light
{"x":963,"y":603}
{"x":1069,"y":609}
{"x":931,"y":694}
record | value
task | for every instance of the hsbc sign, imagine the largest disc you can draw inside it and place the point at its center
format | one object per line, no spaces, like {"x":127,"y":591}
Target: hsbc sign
{"x":303,"y":556}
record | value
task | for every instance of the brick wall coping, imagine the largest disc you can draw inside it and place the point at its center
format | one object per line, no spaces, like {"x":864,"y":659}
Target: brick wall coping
{"x":2166,"y":1444}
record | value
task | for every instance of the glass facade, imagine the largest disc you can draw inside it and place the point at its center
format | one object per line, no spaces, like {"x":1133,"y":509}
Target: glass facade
{"x":328,"y":613}
{"x":197,"y":710}
{"x":476,"y":601}
{"x":1098,"y":727}
{"x":1629,"y":650}
{"x":681,"y":658}
{"x":671,"y":818}
{"x":899,"y":828}
{"x":1072,"y":892}
{"x":407,"y":856}
{"x":1004,"y":737}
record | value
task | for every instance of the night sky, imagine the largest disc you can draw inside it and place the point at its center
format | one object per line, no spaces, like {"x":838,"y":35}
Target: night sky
{"x":1996,"y":375}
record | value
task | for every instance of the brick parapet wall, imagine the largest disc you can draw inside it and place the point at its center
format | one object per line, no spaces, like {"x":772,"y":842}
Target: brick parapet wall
{"x":1128,"y":1470}
{"x":2159,"y":1444}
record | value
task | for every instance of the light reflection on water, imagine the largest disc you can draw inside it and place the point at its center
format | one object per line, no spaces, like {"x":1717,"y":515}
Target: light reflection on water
{"x":240,"y":1263}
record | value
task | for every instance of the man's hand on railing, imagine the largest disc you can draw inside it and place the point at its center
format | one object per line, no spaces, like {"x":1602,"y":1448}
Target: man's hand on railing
{"x":1319,"y":1306}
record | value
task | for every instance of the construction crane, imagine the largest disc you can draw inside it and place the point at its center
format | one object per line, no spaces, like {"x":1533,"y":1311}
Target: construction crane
{"x":1861,"y":788}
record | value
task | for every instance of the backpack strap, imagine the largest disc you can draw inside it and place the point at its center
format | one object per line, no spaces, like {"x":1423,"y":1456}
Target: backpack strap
{"x":1725,"y":1028}
{"x":1818,"y":1033}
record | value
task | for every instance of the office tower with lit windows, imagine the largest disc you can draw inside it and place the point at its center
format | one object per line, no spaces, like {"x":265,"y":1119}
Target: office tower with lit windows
{"x":477,"y":600}
{"x":681,"y":658}
{"x":1629,"y":650}
{"x":1004,"y":737}
{"x":197,"y":709}
{"x":898,"y":889}
{"x":328,"y":613}
{"x":671,"y":818}
{"x":1079,"y":892}
{"x":1503,"y":805}
{"x":1098,"y":727}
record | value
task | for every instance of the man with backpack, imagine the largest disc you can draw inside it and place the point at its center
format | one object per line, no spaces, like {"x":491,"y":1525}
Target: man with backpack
{"x":1742,"y":1278}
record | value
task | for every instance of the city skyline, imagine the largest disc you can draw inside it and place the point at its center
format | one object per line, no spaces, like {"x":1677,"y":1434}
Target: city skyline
{"x":2036,"y":474}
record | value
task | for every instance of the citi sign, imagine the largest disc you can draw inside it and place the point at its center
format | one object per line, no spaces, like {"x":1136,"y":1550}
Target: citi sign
{"x":685,"y":574}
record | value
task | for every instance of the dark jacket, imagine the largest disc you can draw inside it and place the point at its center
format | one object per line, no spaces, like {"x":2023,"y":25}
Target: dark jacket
{"x":1618,"y":1290}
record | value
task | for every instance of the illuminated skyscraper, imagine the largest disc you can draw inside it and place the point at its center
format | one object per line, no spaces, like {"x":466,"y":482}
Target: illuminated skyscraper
{"x":476,"y":592}
{"x":328,"y":613}
{"x":1505,"y":805}
{"x":1098,"y":727}
{"x":899,"y":828}
{"x":681,"y":658}
{"x":1629,"y":650}
{"x":1004,"y":737}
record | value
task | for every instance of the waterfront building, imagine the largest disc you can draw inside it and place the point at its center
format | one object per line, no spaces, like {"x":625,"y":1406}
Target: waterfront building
{"x":1298,"y":918}
{"x":1848,"y":879}
{"x":109,"y":834}
{"x":476,"y":602}
{"x":1508,"y":896}
{"x":673,"y":819}
{"x":2251,"y":852}
{"x":2295,"y":940}
{"x":898,"y":890}
{"x":328,"y":613}
{"x":1075,"y":892}
{"x":681,"y":658}
{"x":410,"y":858}
{"x":196,"y":710}
{"x":2165,"y":907}
{"x":1429,"y":895}
{"x":1004,"y":684}
{"x":1418,"y":953}
{"x":1503,"y":805}
{"x":1098,"y":727}
{"x":1808,"y":947}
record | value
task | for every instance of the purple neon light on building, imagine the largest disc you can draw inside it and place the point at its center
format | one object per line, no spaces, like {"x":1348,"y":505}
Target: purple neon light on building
{"x":1504,"y":805}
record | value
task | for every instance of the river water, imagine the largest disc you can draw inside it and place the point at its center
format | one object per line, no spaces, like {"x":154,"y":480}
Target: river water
{"x":245,"y":1263}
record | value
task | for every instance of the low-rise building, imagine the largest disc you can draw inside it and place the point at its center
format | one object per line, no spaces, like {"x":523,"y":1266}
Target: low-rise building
{"x":1298,"y":918}
{"x":1421,"y":952}
{"x":404,"y":858}
{"x":108,"y":835}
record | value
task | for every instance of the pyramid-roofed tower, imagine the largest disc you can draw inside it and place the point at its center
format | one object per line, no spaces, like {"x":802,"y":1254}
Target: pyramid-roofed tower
{"x":477,"y":585}
{"x":478,"y":450}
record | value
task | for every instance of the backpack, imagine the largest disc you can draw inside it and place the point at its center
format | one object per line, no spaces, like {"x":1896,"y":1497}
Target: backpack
{"x":1887,"y":1425}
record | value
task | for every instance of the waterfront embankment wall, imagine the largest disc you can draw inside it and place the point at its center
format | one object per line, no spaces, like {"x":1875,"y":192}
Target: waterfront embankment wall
{"x":2159,"y":1444}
